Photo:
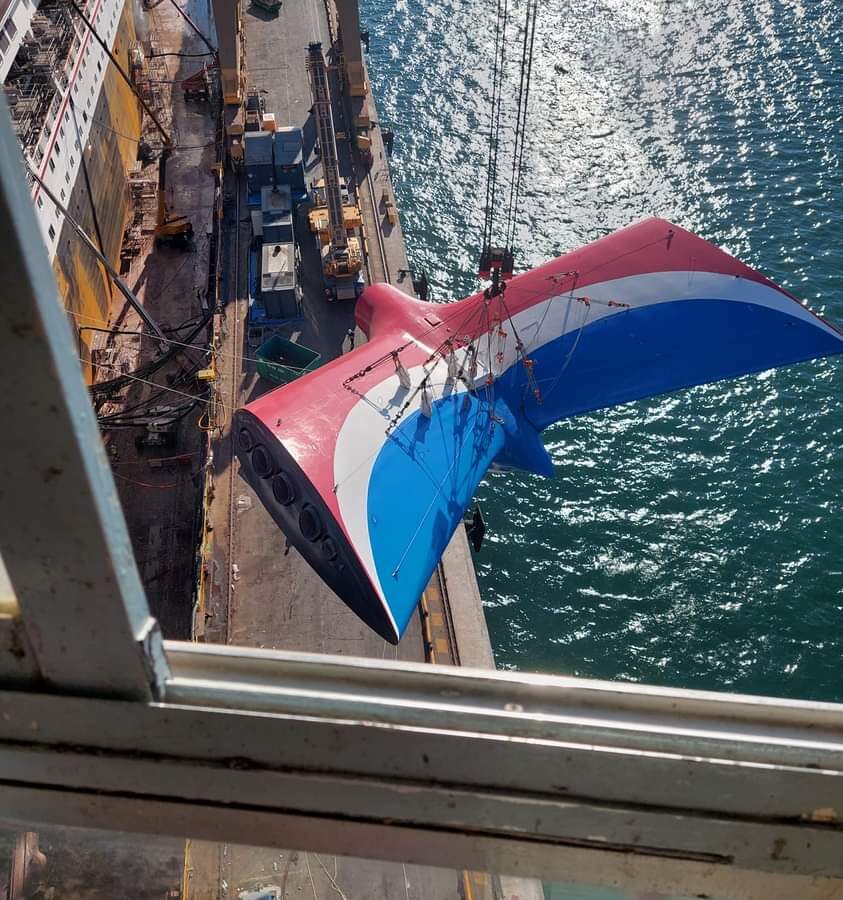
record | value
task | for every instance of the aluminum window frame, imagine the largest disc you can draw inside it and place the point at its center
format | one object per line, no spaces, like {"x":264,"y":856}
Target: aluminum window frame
{"x":104,"y":724}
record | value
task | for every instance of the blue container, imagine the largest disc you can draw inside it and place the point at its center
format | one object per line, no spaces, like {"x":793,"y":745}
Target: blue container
{"x":257,"y":178}
{"x":257,"y":148}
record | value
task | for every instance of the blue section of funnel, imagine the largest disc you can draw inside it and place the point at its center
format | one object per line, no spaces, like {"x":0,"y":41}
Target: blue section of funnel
{"x":426,"y":474}
{"x":654,"y":349}
{"x":428,"y":471}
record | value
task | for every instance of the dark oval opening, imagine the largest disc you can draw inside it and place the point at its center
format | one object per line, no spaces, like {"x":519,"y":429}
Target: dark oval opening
{"x":282,"y":489}
{"x":262,"y":461}
{"x":310,"y":524}
{"x":244,"y":436}
{"x":329,"y":548}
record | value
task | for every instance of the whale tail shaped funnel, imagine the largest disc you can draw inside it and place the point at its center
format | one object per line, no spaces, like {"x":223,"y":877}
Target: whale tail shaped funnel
{"x":369,"y":463}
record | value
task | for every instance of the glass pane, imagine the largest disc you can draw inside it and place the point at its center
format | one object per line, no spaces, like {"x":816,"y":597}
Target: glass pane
{"x":252,"y":873}
{"x":87,"y":864}
{"x":691,"y":540}
{"x":681,"y":533}
{"x":46,"y":863}
{"x":83,"y":864}
{"x":559,"y":891}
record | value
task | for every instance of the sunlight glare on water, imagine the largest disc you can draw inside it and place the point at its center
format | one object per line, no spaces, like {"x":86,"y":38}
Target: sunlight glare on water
{"x":694,"y":539}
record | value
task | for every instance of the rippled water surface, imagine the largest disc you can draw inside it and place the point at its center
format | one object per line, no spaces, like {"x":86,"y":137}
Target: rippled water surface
{"x":692,"y":540}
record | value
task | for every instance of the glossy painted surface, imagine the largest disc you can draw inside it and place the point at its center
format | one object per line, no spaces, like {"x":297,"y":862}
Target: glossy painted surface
{"x":387,"y":461}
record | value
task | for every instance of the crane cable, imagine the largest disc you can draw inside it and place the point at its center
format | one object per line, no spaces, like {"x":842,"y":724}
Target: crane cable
{"x":521,"y":119}
{"x":499,"y":66}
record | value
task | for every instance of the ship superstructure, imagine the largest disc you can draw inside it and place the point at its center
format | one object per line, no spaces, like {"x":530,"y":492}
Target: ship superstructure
{"x":78,"y":125}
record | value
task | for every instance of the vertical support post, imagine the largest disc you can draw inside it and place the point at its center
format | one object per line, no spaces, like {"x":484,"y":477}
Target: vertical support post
{"x":227,"y":22}
{"x":355,"y":72}
{"x":62,"y":533}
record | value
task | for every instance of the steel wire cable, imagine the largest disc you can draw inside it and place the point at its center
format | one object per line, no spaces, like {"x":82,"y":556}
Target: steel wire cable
{"x":498,"y":70}
{"x":521,"y":118}
{"x":160,"y":387}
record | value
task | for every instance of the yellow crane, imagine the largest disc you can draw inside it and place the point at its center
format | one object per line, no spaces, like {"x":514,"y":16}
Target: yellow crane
{"x":342,"y":257}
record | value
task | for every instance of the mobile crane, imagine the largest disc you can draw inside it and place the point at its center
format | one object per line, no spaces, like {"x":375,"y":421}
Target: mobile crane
{"x":342,"y":257}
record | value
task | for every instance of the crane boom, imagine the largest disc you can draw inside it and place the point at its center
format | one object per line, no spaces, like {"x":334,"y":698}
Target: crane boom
{"x":327,"y":142}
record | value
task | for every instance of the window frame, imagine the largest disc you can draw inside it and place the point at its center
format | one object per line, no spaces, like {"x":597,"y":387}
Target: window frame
{"x":103,"y":724}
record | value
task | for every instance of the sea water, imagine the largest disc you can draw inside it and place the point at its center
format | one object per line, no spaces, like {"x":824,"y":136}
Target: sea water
{"x":695,"y":539}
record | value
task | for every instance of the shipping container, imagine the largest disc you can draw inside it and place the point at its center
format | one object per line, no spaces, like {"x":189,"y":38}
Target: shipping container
{"x":277,"y":214}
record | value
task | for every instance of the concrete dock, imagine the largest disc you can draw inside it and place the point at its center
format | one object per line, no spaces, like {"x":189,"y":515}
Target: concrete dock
{"x":261,"y":592}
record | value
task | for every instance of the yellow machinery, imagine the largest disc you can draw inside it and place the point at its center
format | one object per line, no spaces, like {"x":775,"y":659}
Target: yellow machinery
{"x":170,"y":227}
{"x":318,"y":218}
{"x":342,"y":256}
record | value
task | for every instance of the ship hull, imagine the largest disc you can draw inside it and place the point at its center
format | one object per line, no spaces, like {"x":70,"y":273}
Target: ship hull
{"x":100,"y":202}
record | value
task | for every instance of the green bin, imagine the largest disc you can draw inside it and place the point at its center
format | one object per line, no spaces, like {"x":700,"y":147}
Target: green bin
{"x":281,"y":360}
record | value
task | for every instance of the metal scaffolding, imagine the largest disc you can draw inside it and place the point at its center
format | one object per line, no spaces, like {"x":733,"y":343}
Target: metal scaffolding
{"x":149,"y":73}
{"x":38,"y":75}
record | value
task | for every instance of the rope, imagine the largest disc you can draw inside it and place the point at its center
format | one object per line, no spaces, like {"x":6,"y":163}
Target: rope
{"x":146,"y":484}
{"x":570,"y":355}
{"x":160,"y":387}
{"x":423,"y":519}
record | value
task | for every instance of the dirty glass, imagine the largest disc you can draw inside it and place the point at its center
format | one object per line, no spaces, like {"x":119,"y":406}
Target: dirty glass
{"x":88,"y":864}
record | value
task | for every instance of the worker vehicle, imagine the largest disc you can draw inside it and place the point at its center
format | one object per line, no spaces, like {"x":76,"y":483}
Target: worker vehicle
{"x":198,"y":85}
{"x":160,"y":428}
{"x":255,"y":106}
